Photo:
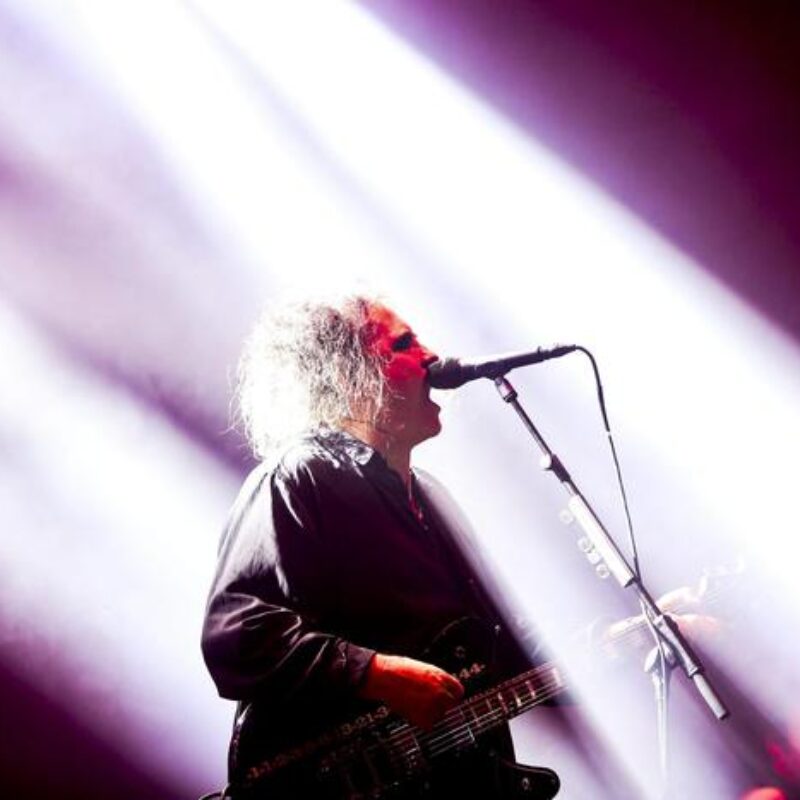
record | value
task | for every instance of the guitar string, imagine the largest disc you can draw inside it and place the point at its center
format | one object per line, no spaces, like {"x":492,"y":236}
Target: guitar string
{"x":484,"y":721}
{"x":463,"y":733}
{"x":542,"y":678}
{"x":454,"y":732}
{"x":466,"y":734}
{"x":532,"y":676}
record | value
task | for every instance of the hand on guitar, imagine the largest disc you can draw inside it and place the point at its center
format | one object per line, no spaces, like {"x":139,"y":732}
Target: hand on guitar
{"x":420,"y":692}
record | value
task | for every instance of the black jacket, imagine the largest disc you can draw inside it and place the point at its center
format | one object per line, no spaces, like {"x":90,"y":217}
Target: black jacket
{"x":323,"y":562}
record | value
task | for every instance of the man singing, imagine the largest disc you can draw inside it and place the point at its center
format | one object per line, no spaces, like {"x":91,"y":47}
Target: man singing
{"x":341,"y":565}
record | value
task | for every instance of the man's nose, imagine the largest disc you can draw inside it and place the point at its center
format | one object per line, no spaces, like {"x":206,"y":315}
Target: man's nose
{"x":428,"y":357}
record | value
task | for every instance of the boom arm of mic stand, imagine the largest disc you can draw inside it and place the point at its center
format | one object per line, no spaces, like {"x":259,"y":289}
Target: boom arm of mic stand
{"x":663,"y":625}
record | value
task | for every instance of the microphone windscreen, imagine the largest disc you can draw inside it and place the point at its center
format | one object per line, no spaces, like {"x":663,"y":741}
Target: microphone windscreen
{"x":446,"y":373}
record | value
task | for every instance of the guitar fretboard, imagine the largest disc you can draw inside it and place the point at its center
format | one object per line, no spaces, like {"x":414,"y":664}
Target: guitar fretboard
{"x":461,"y":726}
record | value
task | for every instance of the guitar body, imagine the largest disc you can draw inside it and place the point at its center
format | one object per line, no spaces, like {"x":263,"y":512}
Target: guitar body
{"x":368,"y":753}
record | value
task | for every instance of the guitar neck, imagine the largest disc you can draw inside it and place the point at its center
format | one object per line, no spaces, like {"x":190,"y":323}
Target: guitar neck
{"x":462,"y":725}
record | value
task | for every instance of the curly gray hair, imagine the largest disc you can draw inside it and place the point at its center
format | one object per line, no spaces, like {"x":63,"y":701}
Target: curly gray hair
{"x":308,"y":365}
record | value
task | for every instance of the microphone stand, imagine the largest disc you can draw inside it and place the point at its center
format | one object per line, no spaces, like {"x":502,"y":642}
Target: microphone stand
{"x":672,"y":649}
{"x":659,"y":663}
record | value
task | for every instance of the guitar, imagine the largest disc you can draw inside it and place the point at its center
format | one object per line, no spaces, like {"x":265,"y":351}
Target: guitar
{"x":378,"y":755}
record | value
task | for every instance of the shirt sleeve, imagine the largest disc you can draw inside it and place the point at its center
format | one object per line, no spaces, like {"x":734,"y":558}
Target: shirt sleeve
{"x":263,"y":636}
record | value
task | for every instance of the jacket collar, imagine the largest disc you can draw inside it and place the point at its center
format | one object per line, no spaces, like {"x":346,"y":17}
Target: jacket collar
{"x":345,"y":446}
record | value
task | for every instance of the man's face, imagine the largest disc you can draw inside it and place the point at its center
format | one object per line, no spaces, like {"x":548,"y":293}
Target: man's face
{"x":409,"y":415}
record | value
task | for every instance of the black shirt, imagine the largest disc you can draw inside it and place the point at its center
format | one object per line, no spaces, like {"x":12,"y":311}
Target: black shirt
{"x":324,"y":562}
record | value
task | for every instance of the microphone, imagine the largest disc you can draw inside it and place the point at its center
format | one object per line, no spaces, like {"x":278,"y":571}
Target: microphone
{"x":450,"y":373}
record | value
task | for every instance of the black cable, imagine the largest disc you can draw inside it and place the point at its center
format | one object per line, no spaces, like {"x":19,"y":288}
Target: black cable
{"x":601,"y":401}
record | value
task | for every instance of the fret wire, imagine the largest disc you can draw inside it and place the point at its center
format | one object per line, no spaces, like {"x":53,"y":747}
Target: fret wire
{"x":551,"y":681}
{"x":530,"y":689}
{"x":441,"y":743}
{"x":555,"y":687}
{"x":464,"y":724}
{"x":491,"y":719}
{"x":455,"y":730}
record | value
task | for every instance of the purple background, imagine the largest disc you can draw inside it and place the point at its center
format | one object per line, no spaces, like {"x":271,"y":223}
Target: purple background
{"x":121,"y":284}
